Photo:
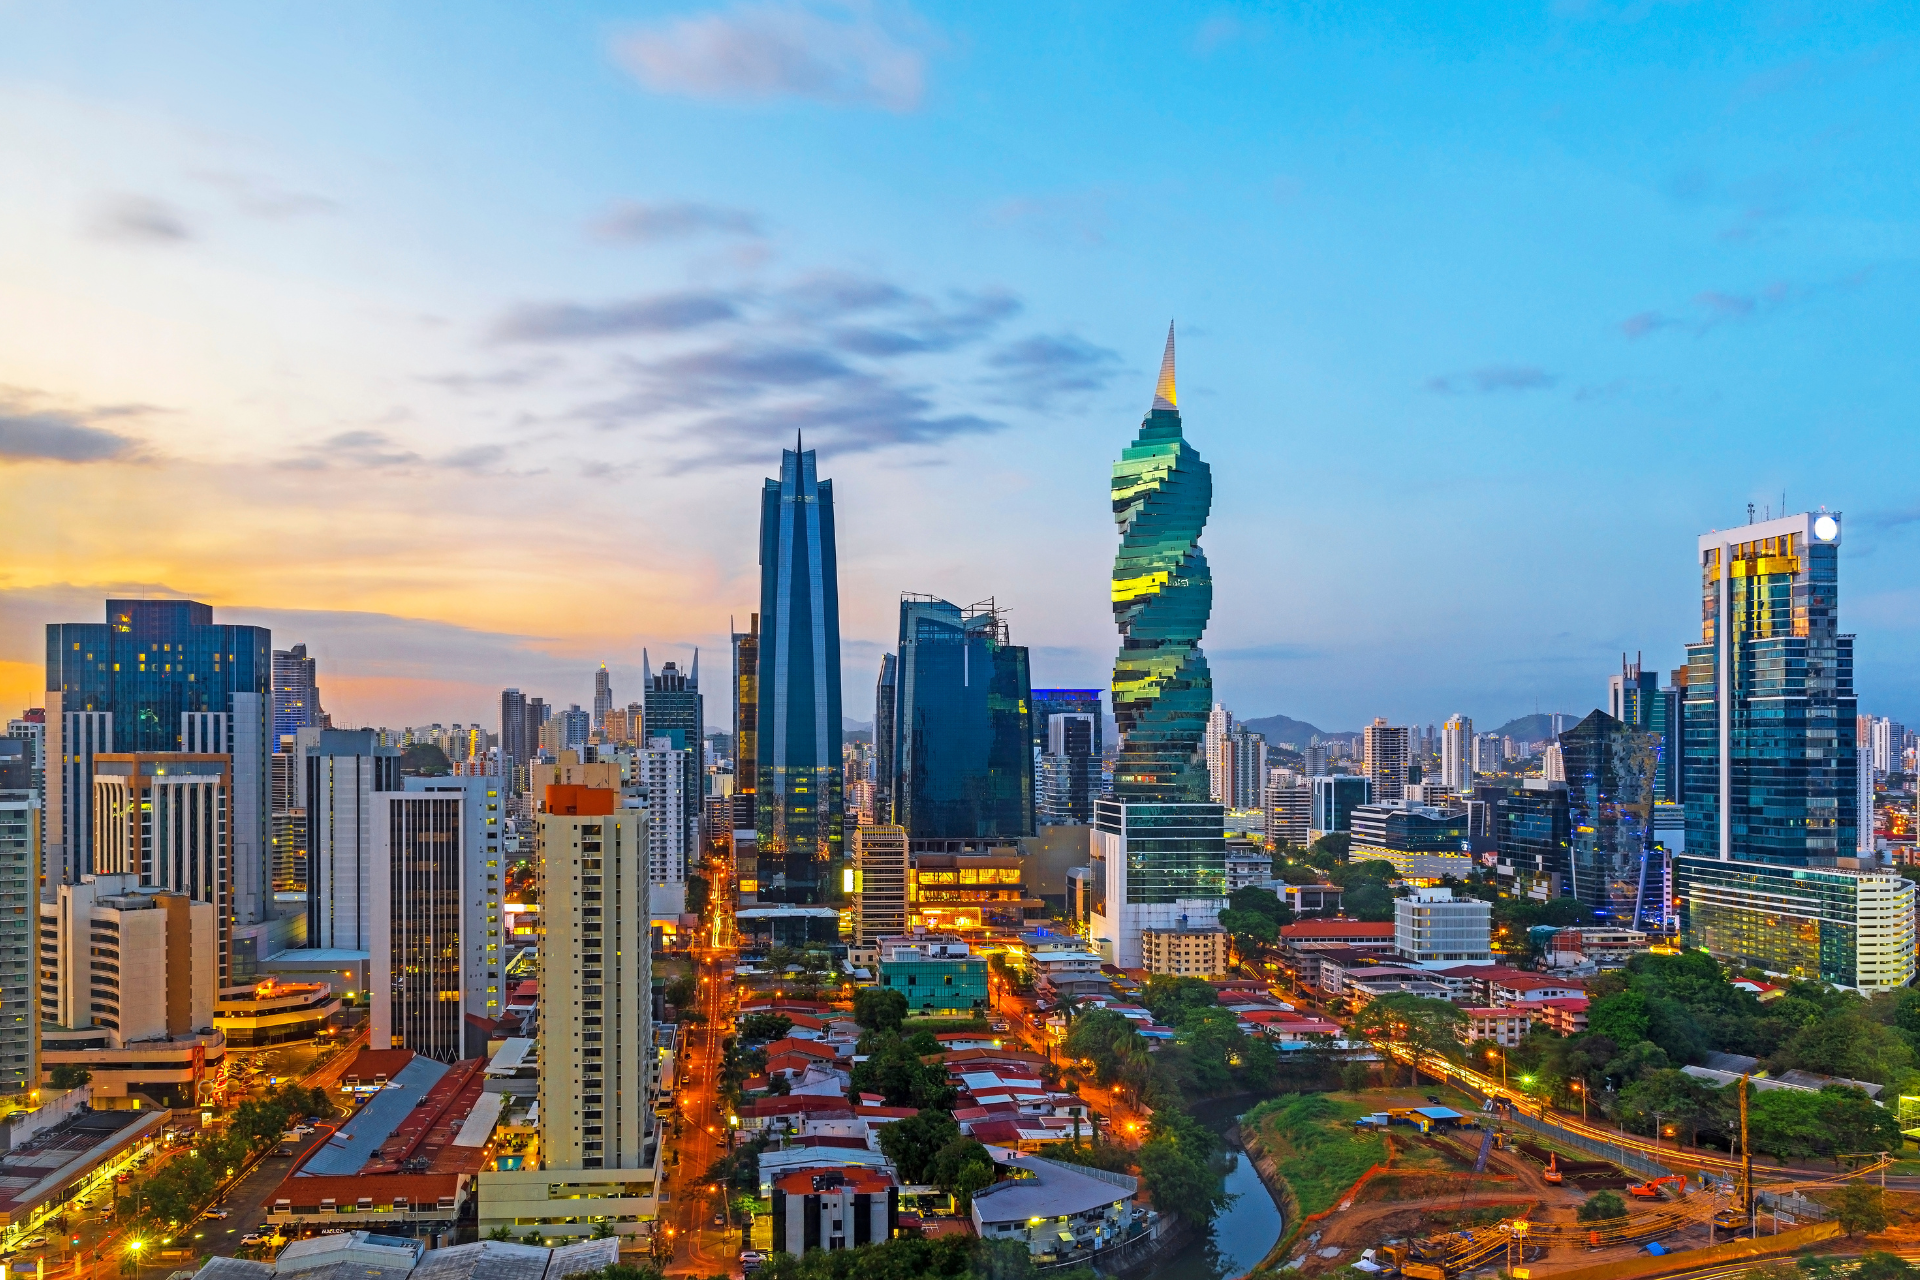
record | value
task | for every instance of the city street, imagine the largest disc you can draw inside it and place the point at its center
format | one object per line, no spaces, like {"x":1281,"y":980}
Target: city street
{"x":699,"y":1247}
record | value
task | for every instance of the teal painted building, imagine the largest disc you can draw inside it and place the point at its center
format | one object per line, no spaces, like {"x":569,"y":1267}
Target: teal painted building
{"x":935,"y":975}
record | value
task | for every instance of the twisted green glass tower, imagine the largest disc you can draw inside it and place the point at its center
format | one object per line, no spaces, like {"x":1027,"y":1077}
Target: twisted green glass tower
{"x":1162,"y":594}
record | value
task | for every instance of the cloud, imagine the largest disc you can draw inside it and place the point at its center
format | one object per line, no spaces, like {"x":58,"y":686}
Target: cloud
{"x":365,"y":449}
{"x":641,"y":223}
{"x":138,"y":220}
{"x":1221,"y":28}
{"x":1642,"y":323}
{"x":763,"y":52}
{"x":1033,"y":372}
{"x":829,"y":295}
{"x":1492,"y":378}
{"x":263,"y":198}
{"x":572,"y":321}
{"x":34,"y":431}
{"x":933,"y":329}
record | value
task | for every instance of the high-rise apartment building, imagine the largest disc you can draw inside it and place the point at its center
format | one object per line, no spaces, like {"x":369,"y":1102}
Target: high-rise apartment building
{"x":1315,"y":757}
{"x":1889,"y":745}
{"x":160,"y":676}
{"x":339,"y":771}
{"x":161,"y":819}
{"x":1159,"y":854}
{"x":746,"y":729}
{"x":1243,"y":759}
{"x":288,"y":867}
{"x":662,"y":771}
{"x":1214,"y":744}
{"x":1489,"y":754}
{"x":515,"y":747}
{"x":880,"y":873}
{"x":799,"y":805}
{"x":1069,"y":769}
{"x":602,"y":697}
{"x":596,"y":983}
{"x":483,"y":952}
{"x":414,"y":938}
{"x":963,"y":744}
{"x":1289,"y":804}
{"x":1863,"y":783}
{"x":138,"y":964}
{"x":1456,"y":751}
{"x":296,"y":694}
{"x":19,"y":920}
{"x":1387,"y":754}
{"x":676,"y":711}
{"x":1612,"y":770}
{"x":886,"y":740}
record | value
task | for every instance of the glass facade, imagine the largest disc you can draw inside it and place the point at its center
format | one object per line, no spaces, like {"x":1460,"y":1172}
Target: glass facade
{"x":1791,"y":736}
{"x":1798,"y":921}
{"x":1174,"y":852}
{"x":1532,"y":838}
{"x":424,"y":858}
{"x":799,"y":805}
{"x":674,"y":709}
{"x":963,"y":745}
{"x":1048,"y":703}
{"x":1162,"y":595}
{"x":1612,"y":771}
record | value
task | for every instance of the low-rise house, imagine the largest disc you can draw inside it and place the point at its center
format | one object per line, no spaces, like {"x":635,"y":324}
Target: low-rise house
{"x":1564,"y":1016}
{"x":1059,"y":1211}
{"x":1505,"y":1027}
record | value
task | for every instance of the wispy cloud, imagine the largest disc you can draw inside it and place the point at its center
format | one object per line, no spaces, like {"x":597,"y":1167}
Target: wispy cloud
{"x":368,"y":449}
{"x":1711,"y":308}
{"x":1035,"y":372}
{"x":575,"y":321}
{"x":1493,"y":378}
{"x":843,"y":56}
{"x":32,"y":429}
{"x":260,"y":197}
{"x":133,"y":219}
{"x":643,"y":223}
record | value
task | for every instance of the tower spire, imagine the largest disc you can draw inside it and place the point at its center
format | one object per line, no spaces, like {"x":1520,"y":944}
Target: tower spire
{"x":1164,"y":396}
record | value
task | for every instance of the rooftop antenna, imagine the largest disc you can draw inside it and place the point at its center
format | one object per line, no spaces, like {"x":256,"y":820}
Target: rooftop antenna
{"x":1749,"y":513}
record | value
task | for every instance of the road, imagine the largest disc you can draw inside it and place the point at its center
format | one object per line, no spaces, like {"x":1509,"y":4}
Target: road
{"x":702,"y":1122}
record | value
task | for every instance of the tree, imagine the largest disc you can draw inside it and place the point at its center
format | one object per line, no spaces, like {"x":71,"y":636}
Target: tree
{"x":69,"y":1075}
{"x":1421,"y":1024}
{"x":682,"y":992}
{"x":699,"y":893}
{"x":962,"y":1167}
{"x":1858,"y":1209}
{"x":501,"y":1232}
{"x":765,"y":1026}
{"x":1853,"y":1124}
{"x":1250,"y":931}
{"x":1602,"y":1206}
{"x":1879,"y":1265}
{"x":879,"y":1008}
{"x":893,"y":1070}
{"x":1621,"y":1018}
{"x":913,"y":1143}
{"x":1355,"y":1076}
{"x":1180,"y":1180}
{"x":1169,"y":999}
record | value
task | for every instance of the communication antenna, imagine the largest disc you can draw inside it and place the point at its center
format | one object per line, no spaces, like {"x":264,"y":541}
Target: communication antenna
{"x":1749,"y":513}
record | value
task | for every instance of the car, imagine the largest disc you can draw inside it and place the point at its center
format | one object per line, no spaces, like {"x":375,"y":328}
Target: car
{"x":216,"y":1213}
{"x":1434,"y":1098}
{"x":33,"y":1242}
{"x":719,"y":1219}
{"x":254,"y":1237}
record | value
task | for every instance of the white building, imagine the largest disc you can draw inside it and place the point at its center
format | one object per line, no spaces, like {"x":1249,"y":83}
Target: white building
{"x":336,"y":773}
{"x":1219,"y":766}
{"x":1057,"y":1210}
{"x":663,"y":773}
{"x":1137,"y":885}
{"x":1434,"y":928}
{"x":139,"y":964}
{"x":1456,"y":748}
{"x":1289,"y":802}
{"x":483,"y":801}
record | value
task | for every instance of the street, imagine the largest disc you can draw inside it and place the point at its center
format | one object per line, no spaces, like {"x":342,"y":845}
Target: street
{"x":702,"y":1133}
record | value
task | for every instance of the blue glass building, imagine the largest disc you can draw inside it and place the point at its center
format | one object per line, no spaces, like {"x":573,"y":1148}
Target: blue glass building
{"x":799,"y":806}
{"x":1612,"y":771}
{"x":963,"y":739}
{"x":673,"y":708}
{"x":160,"y":675}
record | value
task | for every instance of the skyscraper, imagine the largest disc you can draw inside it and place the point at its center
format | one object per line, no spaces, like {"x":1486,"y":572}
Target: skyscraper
{"x":1069,"y":769}
{"x":885,"y":739}
{"x":414,"y":941}
{"x":339,"y":770}
{"x":963,"y":751}
{"x":1214,"y":744}
{"x":676,"y":711}
{"x":482,"y":801}
{"x":798,"y":774}
{"x":158,"y":676}
{"x":1159,"y":855}
{"x":1611,"y":772}
{"x":602,"y":697}
{"x":1388,"y":752}
{"x":1456,"y":751}
{"x":1244,"y":755}
{"x":1635,"y":698}
{"x":1770,"y":877}
{"x":296,"y":693}
{"x":19,"y":922}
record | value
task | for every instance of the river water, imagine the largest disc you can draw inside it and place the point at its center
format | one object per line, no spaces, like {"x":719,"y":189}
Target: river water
{"x":1241,"y":1235}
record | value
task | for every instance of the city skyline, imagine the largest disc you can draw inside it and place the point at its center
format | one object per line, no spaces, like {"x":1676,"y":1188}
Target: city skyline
{"x":1539,"y":304}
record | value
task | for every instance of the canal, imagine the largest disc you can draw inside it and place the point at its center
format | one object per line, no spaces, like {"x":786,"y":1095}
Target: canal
{"x":1246,"y":1230}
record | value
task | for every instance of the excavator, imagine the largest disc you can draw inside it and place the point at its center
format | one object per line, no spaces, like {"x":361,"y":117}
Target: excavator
{"x":1651,"y":1190}
{"x":1553,"y":1174}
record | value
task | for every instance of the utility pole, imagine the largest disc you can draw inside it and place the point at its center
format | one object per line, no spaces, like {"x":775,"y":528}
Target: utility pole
{"x":1746,"y":1161}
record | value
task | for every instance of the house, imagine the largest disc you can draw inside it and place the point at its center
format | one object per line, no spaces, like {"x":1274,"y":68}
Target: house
{"x":1303,"y":935}
{"x":1513,"y":987}
{"x":1761,"y":991}
{"x":1505,"y":1027}
{"x":1566,"y":1016}
{"x":1059,"y":1211}
{"x":834,"y":1208}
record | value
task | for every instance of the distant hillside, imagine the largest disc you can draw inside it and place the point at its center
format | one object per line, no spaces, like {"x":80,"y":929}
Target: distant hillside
{"x":1287,"y":729}
{"x":1534,"y":728}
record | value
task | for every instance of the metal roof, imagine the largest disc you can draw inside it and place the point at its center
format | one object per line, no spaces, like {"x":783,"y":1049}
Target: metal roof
{"x":1053,"y":1189}
{"x":363,"y":1133}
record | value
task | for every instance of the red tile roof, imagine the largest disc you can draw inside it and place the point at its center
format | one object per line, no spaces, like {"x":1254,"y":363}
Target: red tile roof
{"x":371,"y":1064}
{"x":1308,"y":930}
{"x":306,"y":1192}
{"x":854,"y":1178}
{"x":803,"y":1105}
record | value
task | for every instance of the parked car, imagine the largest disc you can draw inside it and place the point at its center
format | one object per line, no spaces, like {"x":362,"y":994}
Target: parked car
{"x":33,"y":1242}
{"x":254,"y":1237}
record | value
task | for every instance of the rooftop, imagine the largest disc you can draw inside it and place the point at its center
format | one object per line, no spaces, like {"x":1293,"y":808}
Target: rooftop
{"x":1310,"y":929}
{"x":1041,"y":1188}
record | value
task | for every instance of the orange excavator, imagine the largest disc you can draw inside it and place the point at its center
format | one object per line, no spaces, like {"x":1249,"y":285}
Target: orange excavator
{"x":1651,"y":1190}
{"x":1553,"y":1174}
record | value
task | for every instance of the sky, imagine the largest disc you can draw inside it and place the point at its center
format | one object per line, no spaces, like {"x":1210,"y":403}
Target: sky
{"x":456,"y":340}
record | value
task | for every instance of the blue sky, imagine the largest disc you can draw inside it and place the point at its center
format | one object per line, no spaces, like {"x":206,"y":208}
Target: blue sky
{"x":455,"y":340}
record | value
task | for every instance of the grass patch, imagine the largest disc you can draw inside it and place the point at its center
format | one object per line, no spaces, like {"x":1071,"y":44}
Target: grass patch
{"x":1315,"y":1146}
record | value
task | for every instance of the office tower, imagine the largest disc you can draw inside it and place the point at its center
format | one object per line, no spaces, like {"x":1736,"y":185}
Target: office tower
{"x":1069,"y":769}
{"x":1385,"y":760}
{"x":1889,"y":745}
{"x":1314,"y":759}
{"x":596,"y":982}
{"x":1159,"y":855}
{"x":296,"y":693}
{"x":675,"y":710}
{"x":602,"y":697}
{"x":798,"y":774}
{"x":414,"y":939}
{"x":880,"y":869}
{"x":516,"y":748}
{"x":567,"y":730}
{"x":1635,"y":698}
{"x":886,"y":741}
{"x":671,"y":824}
{"x":1489,"y":753}
{"x":963,"y":746}
{"x":1611,"y":772}
{"x":1289,"y":804}
{"x":482,"y":799}
{"x":1456,"y":748}
{"x":159,"y":676}
{"x":1335,"y":797}
{"x":1533,"y":840}
{"x":162,"y":820}
{"x":138,"y":964}
{"x":1214,"y":744}
{"x":338,"y":771}
{"x":1770,"y":769}
{"x":19,"y":917}
{"x":538,"y":714}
